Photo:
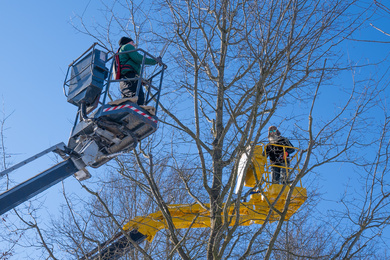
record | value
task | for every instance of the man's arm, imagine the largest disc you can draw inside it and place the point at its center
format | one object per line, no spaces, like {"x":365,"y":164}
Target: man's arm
{"x":136,"y":57}
{"x":289,"y":144}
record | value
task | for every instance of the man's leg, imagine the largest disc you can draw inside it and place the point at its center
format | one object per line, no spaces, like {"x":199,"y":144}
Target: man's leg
{"x":129,"y":88}
{"x":126,"y":88}
{"x":275,"y":174}
{"x":285,"y":173}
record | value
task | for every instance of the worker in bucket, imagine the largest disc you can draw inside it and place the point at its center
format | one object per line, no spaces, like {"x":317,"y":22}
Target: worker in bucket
{"x":129,"y":68}
{"x":278,"y":151}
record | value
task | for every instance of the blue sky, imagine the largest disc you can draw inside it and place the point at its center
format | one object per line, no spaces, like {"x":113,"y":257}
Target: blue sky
{"x":37,"y":44}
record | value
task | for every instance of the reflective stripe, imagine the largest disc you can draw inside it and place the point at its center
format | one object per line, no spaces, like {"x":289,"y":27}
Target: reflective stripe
{"x":132,"y":108}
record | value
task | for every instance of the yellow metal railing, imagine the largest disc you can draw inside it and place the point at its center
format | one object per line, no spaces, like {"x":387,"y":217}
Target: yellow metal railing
{"x":259,"y":172}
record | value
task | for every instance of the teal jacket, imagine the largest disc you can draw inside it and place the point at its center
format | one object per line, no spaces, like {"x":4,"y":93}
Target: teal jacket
{"x":134,"y":59}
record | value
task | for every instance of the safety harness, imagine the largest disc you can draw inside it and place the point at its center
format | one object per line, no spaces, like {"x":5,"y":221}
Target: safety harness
{"x":119,"y":67}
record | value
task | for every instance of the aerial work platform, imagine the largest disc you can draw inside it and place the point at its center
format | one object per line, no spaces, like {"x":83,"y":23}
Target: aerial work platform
{"x":267,"y":202}
{"x":103,"y":130}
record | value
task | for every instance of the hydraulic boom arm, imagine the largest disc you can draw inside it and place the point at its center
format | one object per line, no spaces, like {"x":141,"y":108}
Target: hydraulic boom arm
{"x":28,"y":189}
{"x":44,"y":180}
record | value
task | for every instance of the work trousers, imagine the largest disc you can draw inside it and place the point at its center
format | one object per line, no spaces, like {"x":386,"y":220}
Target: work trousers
{"x":129,"y":87}
{"x":280,"y":173}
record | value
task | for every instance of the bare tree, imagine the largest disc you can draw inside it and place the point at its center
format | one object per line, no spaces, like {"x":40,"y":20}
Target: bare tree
{"x":244,"y":62}
{"x":236,"y":67}
{"x":5,"y":252}
{"x":384,"y":9}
